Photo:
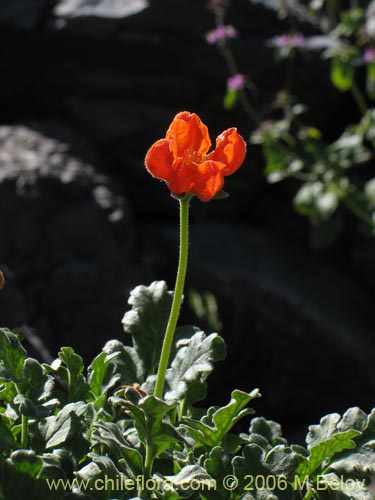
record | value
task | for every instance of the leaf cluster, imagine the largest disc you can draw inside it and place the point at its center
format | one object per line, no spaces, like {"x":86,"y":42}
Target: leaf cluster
{"x":71,"y":432}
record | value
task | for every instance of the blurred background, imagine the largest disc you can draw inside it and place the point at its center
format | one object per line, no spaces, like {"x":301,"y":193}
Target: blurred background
{"x":284,"y":269}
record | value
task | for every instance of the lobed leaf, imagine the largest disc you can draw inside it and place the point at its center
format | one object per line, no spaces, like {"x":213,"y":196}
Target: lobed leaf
{"x":192,"y":365}
{"x":149,"y":420}
{"x":12,"y":356}
{"x":218,"y":465}
{"x":177,"y":487}
{"x":266,"y":475}
{"x":147,"y":320}
{"x":212,"y":428}
{"x":69,"y":367}
{"x":100,"y":375}
{"x":125,"y":364}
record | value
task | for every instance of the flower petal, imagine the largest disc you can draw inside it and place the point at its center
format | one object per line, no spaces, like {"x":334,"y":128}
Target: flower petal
{"x":182,"y":179}
{"x":189,"y":137}
{"x":208,"y":179}
{"x":230,"y":150}
{"x":159,"y":160}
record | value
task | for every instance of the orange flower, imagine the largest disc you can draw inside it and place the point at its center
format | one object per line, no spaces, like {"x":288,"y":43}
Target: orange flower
{"x":181,"y":158}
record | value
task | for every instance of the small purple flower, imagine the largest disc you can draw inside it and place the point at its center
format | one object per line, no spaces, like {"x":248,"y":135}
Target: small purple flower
{"x":289,"y":40}
{"x":369,"y":55}
{"x":221,"y":33}
{"x":282,"y":41}
{"x":236,"y":82}
{"x":298,"y":40}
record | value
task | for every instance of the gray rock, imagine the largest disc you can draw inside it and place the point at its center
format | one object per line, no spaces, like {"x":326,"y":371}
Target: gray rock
{"x":67,"y":238}
{"x":99,"y":8}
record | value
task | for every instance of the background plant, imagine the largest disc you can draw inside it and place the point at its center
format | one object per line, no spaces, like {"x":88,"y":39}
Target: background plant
{"x":333,"y":175}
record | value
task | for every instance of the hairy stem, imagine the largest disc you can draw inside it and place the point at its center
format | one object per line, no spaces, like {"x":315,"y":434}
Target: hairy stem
{"x":177,"y":296}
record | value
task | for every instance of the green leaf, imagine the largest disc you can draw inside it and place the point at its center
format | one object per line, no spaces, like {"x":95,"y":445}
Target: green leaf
{"x":22,"y":476}
{"x":99,"y":374}
{"x":266,"y":475}
{"x":218,"y":465}
{"x":192,"y":365}
{"x":352,"y":21}
{"x":147,"y":320}
{"x":12,"y":356}
{"x":37,"y":389}
{"x":103,"y":472}
{"x":177,"y":486}
{"x":26,"y":461}
{"x":159,"y":434}
{"x":27,"y":407}
{"x":62,"y":430}
{"x":329,"y":425}
{"x":8,"y":392}
{"x":323,"y":451}
{"x":333,"y":435}
{"x":7,"y":440}
{"x":125,"y":363}
{"x":226,"y":417}
{"x":333,"y":487}
{"x":156,"y":434}
{"x":230,"y":99}
{"x":269,"y":430}
{"x":67,"y":429}
{"x":69,"y":367}
{"x":277,"y":157}
{"x":39,"y":386}
{"x":119,"y":450}
{"x":370,"y":82}
{"x":342,"y":73}
{"x":361,"y":462}
{"x":354,"y":418}
{"x":313,"y":133}
{"x":217,"y":423}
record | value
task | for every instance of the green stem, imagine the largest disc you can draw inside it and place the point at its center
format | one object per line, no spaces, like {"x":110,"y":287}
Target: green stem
{"x":148,"y":462}
{"x":24,"y":425}
{"x":233,"y":69}
{"x":358,"y":211}
{"x":177,"y":296}
{"x":248,"y":107}
{"x":24,"y":431}
{"x":309,"y":495}
{"x":182,"y":409}
{"x":289,"y":72}
{"x":359,"y":99}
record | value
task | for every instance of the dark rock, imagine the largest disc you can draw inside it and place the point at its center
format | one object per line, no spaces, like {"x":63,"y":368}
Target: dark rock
{"x":67,"y":238}
{"x":13,"y":306}
{"x":293,"y":324}
{"x":24,"y":13}
{"x":107,"y":120}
